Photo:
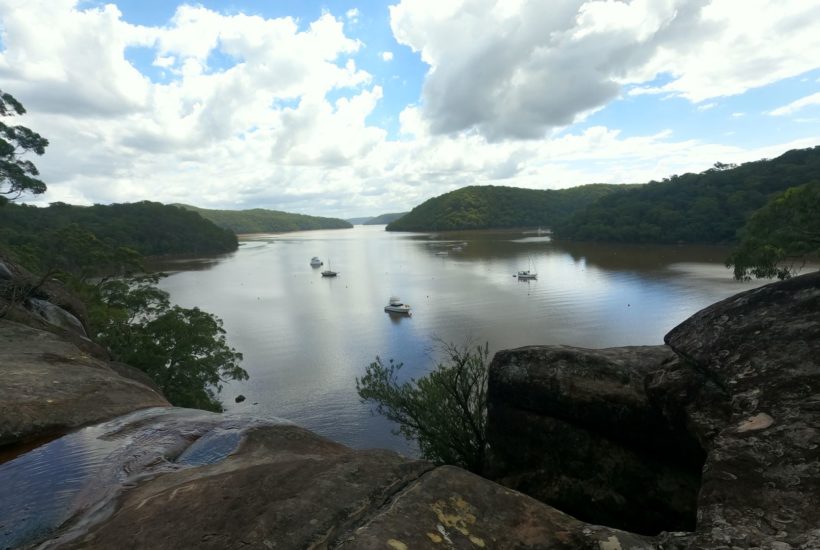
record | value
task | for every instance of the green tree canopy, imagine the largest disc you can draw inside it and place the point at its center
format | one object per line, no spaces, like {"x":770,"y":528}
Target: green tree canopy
{"x":183,"y":350}
{"x":445,"y":412}
{"x":780,"y":237}
{"x":710,"y":207}
{"x":17,"y":173}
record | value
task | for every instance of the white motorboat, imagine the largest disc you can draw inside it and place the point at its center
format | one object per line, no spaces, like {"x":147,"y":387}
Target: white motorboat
{"x":316,"y":262}
{"x":527,"y":275}
{"x":396,"y":306}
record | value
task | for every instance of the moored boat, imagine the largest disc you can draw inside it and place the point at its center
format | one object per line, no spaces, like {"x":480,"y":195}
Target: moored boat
{"x":397,"y":306}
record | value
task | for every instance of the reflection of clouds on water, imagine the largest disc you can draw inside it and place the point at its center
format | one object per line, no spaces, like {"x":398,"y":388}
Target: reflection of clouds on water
{"x":306,"y":339}
{"x":707,"y":272}
{"x":544,"y":239}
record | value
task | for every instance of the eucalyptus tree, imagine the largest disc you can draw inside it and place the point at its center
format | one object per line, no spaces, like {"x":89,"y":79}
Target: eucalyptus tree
{"x":17,"y":171}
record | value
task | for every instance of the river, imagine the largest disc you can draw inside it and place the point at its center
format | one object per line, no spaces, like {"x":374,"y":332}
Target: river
{"x":306,"y":338}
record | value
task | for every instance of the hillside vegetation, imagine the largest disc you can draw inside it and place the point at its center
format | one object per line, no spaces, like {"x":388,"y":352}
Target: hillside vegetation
{"x":488,"y":207}
{"x":382,"y":219}
{"x":259,"y":220}
{"x":149,"y":228}
{"x":709,"y":207}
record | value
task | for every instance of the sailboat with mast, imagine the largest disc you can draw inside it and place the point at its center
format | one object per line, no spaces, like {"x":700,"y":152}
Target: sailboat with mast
{"x":528,"y":274}
{"x":329,"y":272}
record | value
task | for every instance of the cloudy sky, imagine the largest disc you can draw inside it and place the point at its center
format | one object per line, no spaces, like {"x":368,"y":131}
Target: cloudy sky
{"x":345,"y":108}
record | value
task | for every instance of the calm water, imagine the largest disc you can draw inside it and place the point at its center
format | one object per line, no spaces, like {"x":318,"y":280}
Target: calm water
{"x":306,"y":338}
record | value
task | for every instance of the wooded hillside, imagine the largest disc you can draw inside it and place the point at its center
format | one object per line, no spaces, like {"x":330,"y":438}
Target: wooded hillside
{"x":259,"y":220}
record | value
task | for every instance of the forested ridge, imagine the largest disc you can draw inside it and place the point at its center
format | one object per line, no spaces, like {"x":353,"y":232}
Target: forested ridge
{"x":260,"y":220}
{"x":382,"y":219}
{"x":149,"y":228}
{"x":487,"y":207}
{"x":709,"y":207}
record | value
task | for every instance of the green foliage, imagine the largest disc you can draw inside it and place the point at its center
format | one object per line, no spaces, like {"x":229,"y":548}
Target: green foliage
{"x":488,"y":207}
{"x":445,"y":411}
{"x":183,"y":350}
{"x":382,"y":219}
{"x":16,"y":172}
{"x":259,"y":220}
{"x":781,"y":236}
{"x":149,"y":228}
{"x":709,"y":207}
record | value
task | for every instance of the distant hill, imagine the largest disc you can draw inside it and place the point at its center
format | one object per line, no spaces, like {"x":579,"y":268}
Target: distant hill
{"x":150,"y":228}
{"x":358,"y":221}
{"x":385,"y":218}
{"x":259,"y":220}
{"x":489,"y":207}
{"x":709,"y":207}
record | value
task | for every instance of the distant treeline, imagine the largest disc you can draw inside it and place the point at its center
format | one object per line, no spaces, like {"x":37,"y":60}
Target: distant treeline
{"x":709,"y":207}
{"x":488,"y":207}
{"x":385,"y":218}
{"x":259,"y":220}
{"x":149,"y":228}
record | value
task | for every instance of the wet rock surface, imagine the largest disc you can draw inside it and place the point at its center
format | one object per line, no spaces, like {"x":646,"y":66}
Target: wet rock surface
{"x":739,"y":380}
{"x":50,"y":385}
{"x":73,"y":480}
{"x":178,"y":478}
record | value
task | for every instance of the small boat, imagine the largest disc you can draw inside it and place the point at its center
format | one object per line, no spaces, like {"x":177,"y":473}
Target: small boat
{"x":329,"y":273}
{"x":396,"y":306}
{"x":527,"y":275}
{"x":442,"y":253}
{"x":315,"y":262}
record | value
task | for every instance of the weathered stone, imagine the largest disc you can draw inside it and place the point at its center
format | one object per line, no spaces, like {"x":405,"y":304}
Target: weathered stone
{"x":50,"y":385}
{"x":5,"y":272}
{"x":745,"y":388}
{"x":761,"y":482}
{"x":451,"y":508}
{"x":55,"y":315}
{"x":284,"y":488}
{"x":576,"y":429}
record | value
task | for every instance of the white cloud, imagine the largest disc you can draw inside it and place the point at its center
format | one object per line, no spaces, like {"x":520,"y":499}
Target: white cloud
{"x":738,"y":115}
{"x":707,"y":106}
{"x":352,"y":15}
{"x":516,"y":70}
{"x":387,"y":56}
{"x":259,"y":112}
{"x":794,"y":106}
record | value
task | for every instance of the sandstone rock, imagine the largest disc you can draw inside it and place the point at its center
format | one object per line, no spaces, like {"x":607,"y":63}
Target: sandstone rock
{"x":761,"y":482}
{"x":5,"y":272}
{"x":451,"y":508}
{"x":566,"y":424}
{"x":55,"y":315}
{"x":179,"y":478}
{"x":50,"y":385}
{"x":576,"y":429}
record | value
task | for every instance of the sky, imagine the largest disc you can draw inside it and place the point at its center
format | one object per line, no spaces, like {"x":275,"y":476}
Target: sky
{"x":347,"y":109}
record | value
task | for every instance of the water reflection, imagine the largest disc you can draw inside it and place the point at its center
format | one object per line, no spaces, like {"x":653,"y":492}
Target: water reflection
{"x":80,"y":473}
{"x":306,"y":338}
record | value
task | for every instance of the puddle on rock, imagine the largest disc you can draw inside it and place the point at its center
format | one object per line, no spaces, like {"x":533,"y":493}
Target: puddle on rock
{"x":79,"y":474}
